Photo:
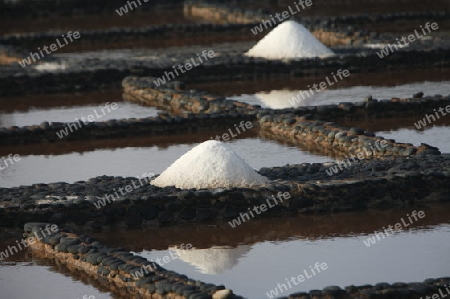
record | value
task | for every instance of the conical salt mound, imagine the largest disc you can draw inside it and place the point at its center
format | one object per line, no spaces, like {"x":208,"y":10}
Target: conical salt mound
{"x":210,"y":164}
{"x":289,"y":40}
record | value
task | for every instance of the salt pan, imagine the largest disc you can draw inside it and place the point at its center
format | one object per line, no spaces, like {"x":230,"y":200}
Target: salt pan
{"x":210,"y":164}
{"x":289,"y":40}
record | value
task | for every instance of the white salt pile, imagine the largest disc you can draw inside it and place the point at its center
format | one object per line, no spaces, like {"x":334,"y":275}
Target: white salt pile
{"x":210,"y":164}
{"x":289,"y":40}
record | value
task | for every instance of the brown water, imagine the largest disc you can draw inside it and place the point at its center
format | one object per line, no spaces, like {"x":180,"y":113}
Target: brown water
{"x":133,"y":19}
{"x":25,"y":103}
{"x":100,"y":112}
{"x":146,"y":15}
{"x":29,"y":110}
{"x":339,"y":8}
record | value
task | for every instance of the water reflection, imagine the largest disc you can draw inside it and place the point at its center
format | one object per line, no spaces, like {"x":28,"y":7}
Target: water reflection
{"x":404,"y":130}
{"x":214,"y":260}
{"x":275,"y":229}
{"x":407,"y":257}
{"x":42,"y":279}
{"x":280,"y":99}
{"x":253,"y":257}
{"x":71,"y":114}
{"x":435,"y":136}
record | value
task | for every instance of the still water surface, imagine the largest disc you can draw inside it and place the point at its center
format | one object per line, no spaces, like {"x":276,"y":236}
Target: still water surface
{"x":252,"y":270}
{"x":99,"y":112}
{"x":279,"y":99}
{"x":253,"y":258}
{"x":134,"y":161}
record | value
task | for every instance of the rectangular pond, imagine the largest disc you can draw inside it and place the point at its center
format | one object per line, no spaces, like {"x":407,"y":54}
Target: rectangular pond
{"x":134,"y":161}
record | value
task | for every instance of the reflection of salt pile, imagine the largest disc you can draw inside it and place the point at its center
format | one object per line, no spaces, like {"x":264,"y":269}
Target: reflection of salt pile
{"x":287,"y":41}
{"x":279,"y":99}
{"x":210,"y":164}
{"x":214,"y":260}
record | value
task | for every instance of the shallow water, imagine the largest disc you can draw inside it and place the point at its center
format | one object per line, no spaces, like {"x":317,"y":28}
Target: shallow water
{"x":404,"y":130}
{"x":254,"y":257}
{"x":134,"y":161}
{"x":279,"y":99}
{"x":253,"y":270}
{"x":138,"y":18}
{"x":27,"y":280}
{"x":435,"y":136}
{"x":49,"y":101}
{"x":99,"y":112}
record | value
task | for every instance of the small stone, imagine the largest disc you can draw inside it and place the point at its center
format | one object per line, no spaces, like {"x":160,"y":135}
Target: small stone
{"x":368,"y":98}
{"x":143,"y":281}
{"x":333,"y":291}
{"x":289,"y":121}
{"x":64,"y":244}
{"x":27,"y":227}
{"x":73,"y":249}
{"x":418,"y":95}
{"x":356,"y":131}
{"x":222,"y":294}
{"x":382,"y":286}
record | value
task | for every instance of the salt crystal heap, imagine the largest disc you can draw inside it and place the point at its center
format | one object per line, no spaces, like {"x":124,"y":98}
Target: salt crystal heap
{"x":210,"y":164}
{"x":289,"y":40}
